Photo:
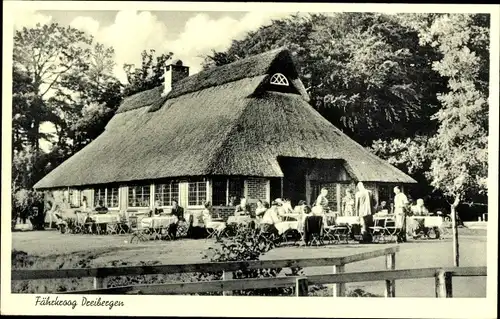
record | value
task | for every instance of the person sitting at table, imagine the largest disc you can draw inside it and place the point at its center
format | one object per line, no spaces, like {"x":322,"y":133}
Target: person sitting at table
{"x":287,"y":206}
{"x":89,"y":223}
{"x":261,"y":209}
{"x":299,"y":209}
{"x":177,"y":211}
{"x":100,"y":208}
{"x":419,"y":209}
{"x":270,"y":219}
{"x":243,"y":209}
{"x":382,"y":208}
{"x":156,"y":209}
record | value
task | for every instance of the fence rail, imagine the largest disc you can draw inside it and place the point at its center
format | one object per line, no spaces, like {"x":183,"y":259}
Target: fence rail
{"x":338,"y":277}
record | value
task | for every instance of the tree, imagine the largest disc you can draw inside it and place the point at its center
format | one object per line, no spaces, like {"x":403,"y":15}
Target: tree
{"x":149,"y":75}
{"x":48,"y":54}
{"x":354,"y":65}
{"x":459,"y":150}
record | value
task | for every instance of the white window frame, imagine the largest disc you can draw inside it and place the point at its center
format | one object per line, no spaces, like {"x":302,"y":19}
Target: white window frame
{"x":178,"y":192}
{"x":131,"y":188}
{"x":206,"y":194}
{"x":104,"y":197}
{"x":279,"y":79}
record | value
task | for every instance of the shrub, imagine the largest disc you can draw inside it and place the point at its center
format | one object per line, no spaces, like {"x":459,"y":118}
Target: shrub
{"x":246,"y":245}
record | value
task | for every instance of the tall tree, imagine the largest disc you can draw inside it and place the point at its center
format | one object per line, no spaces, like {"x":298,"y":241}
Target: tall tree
{"x":354,"y":65}
{"x":47,"y":54}
{"x":459,"y":150}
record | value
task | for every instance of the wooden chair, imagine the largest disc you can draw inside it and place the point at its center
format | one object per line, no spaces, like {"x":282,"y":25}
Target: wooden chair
{"x":314,"y":230}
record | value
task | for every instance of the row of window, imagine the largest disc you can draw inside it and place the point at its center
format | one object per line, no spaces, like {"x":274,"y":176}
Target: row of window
{"x":224,"y":192}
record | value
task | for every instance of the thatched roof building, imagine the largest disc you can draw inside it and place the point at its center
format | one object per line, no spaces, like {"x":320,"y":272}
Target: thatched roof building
{"x":249,"y":119}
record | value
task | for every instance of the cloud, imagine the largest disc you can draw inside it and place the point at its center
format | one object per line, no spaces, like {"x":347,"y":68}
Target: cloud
{"x":202,"y":34}
{"x":29,"y":19}
{"x":131,"y":32}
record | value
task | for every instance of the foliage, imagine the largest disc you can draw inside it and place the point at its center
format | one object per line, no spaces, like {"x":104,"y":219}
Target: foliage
{"x":149,"y":75}
{"x":60,"y":76}
{"x":246,"y":245}
{"x":23,"y":201}
{"x":459,"y":150}
{"x":354,"y":65}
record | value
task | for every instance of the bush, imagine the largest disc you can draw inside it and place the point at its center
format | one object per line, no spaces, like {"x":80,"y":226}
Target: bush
{"x":23,"y":203}
{"x":247,"y":244}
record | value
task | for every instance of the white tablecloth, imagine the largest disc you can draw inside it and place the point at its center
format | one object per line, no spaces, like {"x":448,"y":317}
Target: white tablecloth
{"x":216,"y":225}
{"x":106,"y":218}
{"x":290,"y":217}
{"x":350,"y":220}
{"x":429,"y":221}
{"x":158,"y":221}
{"x":284,"y":226}
{"x":239,"y":220}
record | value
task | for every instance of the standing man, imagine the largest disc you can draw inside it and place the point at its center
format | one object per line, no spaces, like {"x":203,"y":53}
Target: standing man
{"x":400,"y":206}
{"x":363,"y":209}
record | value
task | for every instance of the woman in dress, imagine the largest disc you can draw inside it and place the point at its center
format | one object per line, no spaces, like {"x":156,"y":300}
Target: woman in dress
{"x":348,"y":203}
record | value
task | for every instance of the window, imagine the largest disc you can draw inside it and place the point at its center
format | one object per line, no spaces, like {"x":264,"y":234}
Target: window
{"x":197,"y":194}
{"x":99,"y":194}
{"x":279,"y":79}
{"x":109,"y":196}
{"x":112,"y":197}
{"x":166,"y":193}
{"x":236,"y":190}
{"x":74,"y":198}
{"x":139,"y":196}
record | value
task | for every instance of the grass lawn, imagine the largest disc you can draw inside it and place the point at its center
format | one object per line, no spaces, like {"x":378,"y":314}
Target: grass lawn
{"x":55,"y":250}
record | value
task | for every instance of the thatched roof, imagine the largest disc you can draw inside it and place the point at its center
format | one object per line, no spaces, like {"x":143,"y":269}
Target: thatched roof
{"x":217,"y":122}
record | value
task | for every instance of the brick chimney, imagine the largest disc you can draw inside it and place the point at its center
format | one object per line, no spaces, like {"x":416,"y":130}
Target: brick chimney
{"x":173,"y":73}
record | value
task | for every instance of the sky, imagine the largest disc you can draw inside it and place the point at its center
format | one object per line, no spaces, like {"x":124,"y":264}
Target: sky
{"x":188,"y":34}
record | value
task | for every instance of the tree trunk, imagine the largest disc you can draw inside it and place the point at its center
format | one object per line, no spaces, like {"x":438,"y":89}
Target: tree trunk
{"x":456,"y":252}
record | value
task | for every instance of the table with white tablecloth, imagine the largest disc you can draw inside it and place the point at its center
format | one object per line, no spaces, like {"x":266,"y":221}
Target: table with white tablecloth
{"x":106,"y":218}
{"x":158,"y":221}
{"x":239,"y":220}
{"x":284,"y":226}
{"x":349,"y":220}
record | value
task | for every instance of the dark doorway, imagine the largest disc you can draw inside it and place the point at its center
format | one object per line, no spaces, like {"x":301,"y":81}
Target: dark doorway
{"x":294,"y":181}
{"x":275,"y":188}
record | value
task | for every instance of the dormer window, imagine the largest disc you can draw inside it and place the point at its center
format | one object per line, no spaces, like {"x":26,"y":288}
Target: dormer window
{"x":279,"y":79}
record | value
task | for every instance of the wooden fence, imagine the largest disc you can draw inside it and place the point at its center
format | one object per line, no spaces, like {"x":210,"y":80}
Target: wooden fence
{"x":339,"y":278}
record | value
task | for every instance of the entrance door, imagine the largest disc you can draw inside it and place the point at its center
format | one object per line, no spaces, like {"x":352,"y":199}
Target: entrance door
{"x":294,"y":180}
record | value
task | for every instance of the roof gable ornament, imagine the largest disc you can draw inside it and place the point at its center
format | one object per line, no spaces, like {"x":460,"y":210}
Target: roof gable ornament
{"x":279,"y":79}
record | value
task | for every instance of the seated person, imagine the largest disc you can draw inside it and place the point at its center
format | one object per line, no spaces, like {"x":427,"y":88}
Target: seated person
{"x":177,"y":211}
{"x":261,"y":209}
{"x":243,"y":209}
{"x":299,"y":209}
{"x":270,"y":219}
{"x":419,"y":209}
{"x":156,"y":210}
{"x":382,"y":208}
{"x":287,"y":206}
{"x":100,"y":208}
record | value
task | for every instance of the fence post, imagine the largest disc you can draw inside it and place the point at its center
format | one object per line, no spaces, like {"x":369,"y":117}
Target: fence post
{"x":443,"y":284}
{"x":99,"y":282}
{"x":227,"y":275}
{"x":390,"y":285}
{"x":339,"y":289}
{"x":301,"y":287}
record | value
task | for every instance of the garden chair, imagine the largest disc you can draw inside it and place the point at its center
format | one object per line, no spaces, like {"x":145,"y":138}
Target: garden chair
{"x":112,"y":228}
{"x":390,"y":230}
{"x":377,"y":229}
{"x":314,"y":230}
